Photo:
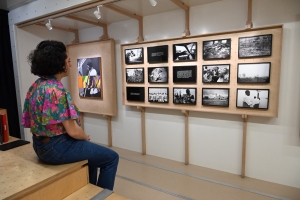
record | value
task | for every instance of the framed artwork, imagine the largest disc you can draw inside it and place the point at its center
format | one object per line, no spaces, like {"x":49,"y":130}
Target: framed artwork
{"x":216,"y":73}
{"x":216,"y":49}
{"x":135,"y":94}
{"x":89,"y":77}
{"x":185,"y":74}
{"x":158,"y":54}
{"x":134,"y":56}
{"x":185,"y":52}
{"x":158,"y":74}
{"x":135,"y":75}
{"x":185,"y":96}
{"x":254,"y":72}
{"x":255,"y":46}
{"x":252,"y":98}
{"x":158,"y":94}
{"x":215,"y":97}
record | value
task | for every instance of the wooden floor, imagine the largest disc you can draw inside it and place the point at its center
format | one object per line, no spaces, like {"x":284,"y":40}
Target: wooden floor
{"x":145,"y":177}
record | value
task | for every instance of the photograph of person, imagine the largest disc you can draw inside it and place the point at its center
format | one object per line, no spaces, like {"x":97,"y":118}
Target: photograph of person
{"x":216,"y":73}
{"x":252,"y":98}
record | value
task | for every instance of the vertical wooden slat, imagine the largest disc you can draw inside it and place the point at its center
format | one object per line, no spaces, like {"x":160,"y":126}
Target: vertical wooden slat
{"x":142,"y":109}
{"x":186,"y":116}
{"x":109,"y":129}
{"x":245,"y":119}
{"x":249,"y":23}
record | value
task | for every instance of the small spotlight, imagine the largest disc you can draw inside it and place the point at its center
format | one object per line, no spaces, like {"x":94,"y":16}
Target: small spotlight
{"x":97,"y":12}
{"x":49,"y":26}
{"x":153,"y":2}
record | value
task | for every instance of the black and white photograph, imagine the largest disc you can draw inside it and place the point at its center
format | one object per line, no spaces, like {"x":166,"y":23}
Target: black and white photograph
{"x":254,"y":72}
{"x":89,"y":77}
{"x":158,"y":74}
{"x":185,"y":74}
{"x":216,"y":49}
{"x":185,"y":96}
{"x":255,"y":46}
{"x":215,"y":97}
{"x":158,"y":54}
{"x":216,"y":73}
{"x":252,"y":98}
{"x":135,"y":75}
{"x":185,"y":52}
{"x":158,"y":94}
{"x":135,"y":94}
{"x":134,"y":56}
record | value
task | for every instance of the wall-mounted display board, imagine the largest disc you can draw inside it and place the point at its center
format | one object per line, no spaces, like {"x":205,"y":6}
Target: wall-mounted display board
{"x":235,"y":72}
{"x":92,"y":77}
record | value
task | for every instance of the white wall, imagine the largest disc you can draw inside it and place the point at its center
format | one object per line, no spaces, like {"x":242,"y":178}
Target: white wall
{"x":273,"y":144}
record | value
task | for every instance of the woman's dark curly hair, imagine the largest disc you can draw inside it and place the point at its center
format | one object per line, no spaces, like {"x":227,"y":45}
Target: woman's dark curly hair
{"x":48,"y":58}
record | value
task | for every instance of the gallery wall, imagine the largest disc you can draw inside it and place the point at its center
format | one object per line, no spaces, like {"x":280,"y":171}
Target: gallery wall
{"x":273,"y":144}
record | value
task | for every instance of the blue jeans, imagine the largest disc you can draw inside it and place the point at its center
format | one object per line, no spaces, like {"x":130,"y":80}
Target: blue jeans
{"x":64,"y":149}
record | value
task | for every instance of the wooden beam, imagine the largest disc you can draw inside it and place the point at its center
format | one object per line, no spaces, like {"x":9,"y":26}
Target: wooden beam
{"x":245,"y":119}
{"x":181,"y":4}
{"x":109,"y":129}
{"x":186,"y":115}
{"x":59,"y":28}
{"x":86,"y":21}
{"x":249,"y":23}
{"x":142,"y":109}
{"x":187,"y":16}
{"x":123,"y":12}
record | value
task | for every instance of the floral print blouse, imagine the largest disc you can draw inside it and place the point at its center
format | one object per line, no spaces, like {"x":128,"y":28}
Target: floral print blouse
{"x":47,"y":105}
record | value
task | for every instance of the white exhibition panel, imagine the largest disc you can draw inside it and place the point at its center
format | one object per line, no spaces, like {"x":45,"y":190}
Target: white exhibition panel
{"x":273,"y":144}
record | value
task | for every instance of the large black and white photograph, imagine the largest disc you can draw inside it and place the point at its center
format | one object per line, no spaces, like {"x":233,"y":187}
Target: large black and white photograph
{"x":135,"y":94}
{"x":255,"y":46}
{"x":254,"y":72}
{"x":158,"y":54}
{"x":185,"y":74}
{"x":185,"y":96}
{"x":134,"y":56}
{"x":158,"y":74}
{"x":135,"y":75}
{"x":185,"y":52}
{"x":252,"y":98}
{"x":158,"y":94}
{"x":216,"y":49}
{"x":216,"y":73}
{"x":215,"y":97}
{"x":89,"y":77}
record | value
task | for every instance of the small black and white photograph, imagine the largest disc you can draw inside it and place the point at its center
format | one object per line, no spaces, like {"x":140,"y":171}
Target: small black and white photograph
{"x":135,"y":75}
{"x":215,"y":97}
{"x":216,"y":49}
{"x":185,"y":52}
{"x":134,"y":56}
{"x":216,"y":73}
{"x":158,"y":74}
{"x":158,"y":94}
{"x":252,"y":98}
{"x":255,"y":46}
{"x":185,"y":96}
{"x":135,"y":94}
{"x":185,"y":74}
{"x":254,"y":72}
{"x":158,"y":54}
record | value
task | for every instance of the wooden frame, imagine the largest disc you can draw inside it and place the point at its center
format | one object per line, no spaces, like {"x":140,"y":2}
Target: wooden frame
{"x":273,"y":86}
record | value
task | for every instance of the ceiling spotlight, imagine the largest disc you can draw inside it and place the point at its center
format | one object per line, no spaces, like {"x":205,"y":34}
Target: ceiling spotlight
{"x":97,"y":12}
{"x":49,"y":26}
{"x":153,"y":2}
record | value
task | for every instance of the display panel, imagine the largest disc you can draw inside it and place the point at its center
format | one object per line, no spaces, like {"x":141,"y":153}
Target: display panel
{"x":185,"y":74}
{"x":135,"y":94}
{"x":185,"y":96}
{"x":215,"y":97}
{"x":185,"y":52}
{"x":252,"y":98}
{"x":255,"y":46}
{"x":135,"y":75}
{"x":254,"y":72}
{"x":134,"y":56}
{"x":158,"y":94}
{"x":158,"y":74}
{"x":158,"y":54}
{"x":216,"y":49}
{"x":216,"y":73}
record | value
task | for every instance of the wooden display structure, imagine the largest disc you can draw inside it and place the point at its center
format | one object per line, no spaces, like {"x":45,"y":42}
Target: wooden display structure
{"x":107,"y":105}
{"x":3,"y":111}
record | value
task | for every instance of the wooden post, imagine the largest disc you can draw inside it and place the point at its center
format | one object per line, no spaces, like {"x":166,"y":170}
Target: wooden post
{"x":109,"y":129}
{"x":186,"y":115}
{"x":142,"y":109}
{"x":249,"y":23}
{"x":245,"y":119}
{"x":82,"y":120}
{"x":187,"y":16}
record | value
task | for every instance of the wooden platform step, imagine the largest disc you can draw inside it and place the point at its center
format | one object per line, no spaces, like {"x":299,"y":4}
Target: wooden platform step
{"x":89,"y":191}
